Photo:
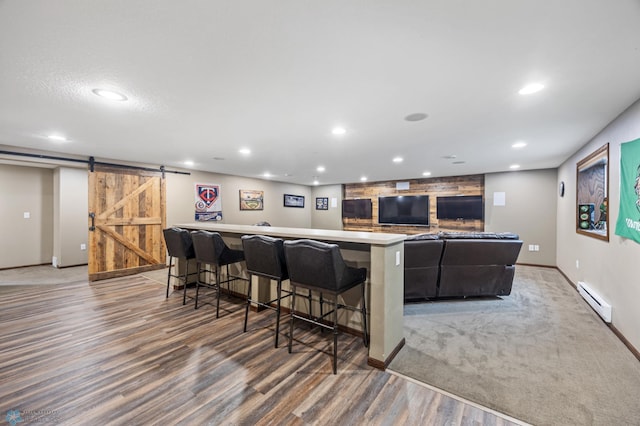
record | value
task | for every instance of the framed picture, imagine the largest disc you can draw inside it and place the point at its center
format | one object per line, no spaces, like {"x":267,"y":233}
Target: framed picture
{"x":251,"y":199}
{"x":322,"y":203}
{"x":293,"y":200}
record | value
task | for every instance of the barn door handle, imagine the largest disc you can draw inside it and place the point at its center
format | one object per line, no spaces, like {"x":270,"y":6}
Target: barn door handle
{"x":92,"y":215}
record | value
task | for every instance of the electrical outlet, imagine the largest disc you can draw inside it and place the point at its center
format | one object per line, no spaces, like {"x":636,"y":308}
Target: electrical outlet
{"x":83,"y":246}
{"x":536,"y":247}
{"x":530,"y":247}
{"x":27,"y":215}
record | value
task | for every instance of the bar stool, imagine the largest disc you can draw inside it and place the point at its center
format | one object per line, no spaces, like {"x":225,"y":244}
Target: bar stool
{"x":319,"y":266}
{"x":265,"y":258}
{"x":210,"y":249}
{"x":180,"y":247}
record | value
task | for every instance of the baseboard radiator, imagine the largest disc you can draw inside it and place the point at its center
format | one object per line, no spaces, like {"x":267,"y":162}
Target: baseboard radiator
{"x":597,"y":303}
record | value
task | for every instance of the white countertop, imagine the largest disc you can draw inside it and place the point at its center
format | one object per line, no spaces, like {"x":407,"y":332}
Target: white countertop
{"x":372,"y":238}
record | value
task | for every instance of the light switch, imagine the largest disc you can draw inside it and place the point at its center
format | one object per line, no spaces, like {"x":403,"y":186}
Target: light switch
{"x":27,"y":215}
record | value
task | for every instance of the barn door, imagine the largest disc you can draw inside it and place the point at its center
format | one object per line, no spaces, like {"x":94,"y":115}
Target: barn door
{"x":126,"y":219}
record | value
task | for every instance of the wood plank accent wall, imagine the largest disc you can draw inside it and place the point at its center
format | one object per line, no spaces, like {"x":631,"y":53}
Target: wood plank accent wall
{"x":433,"y":187}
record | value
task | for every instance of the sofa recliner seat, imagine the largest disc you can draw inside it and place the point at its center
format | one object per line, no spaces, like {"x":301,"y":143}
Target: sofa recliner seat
{"x":460,"y":264}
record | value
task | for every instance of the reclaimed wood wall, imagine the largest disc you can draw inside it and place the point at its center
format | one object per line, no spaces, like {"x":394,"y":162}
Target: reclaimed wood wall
{"x":433,"y":187}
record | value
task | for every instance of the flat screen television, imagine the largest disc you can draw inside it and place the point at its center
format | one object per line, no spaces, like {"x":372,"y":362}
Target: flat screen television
{"x":460,"y":207}
{"x":404,"y":210}
{"x":357,"y":209}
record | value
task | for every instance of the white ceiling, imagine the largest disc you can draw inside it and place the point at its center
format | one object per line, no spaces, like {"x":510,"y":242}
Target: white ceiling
{"x":206,"y":78}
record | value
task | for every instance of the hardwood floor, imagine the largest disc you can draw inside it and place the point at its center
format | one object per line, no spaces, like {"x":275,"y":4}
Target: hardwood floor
{"x":118,"y":352}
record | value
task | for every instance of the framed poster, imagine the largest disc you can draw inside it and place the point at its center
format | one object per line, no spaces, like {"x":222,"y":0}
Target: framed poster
{"x":208,"y":202}
{"x":322,"y":203}
{"x":251,"y":199}
{"x":293,"y":200}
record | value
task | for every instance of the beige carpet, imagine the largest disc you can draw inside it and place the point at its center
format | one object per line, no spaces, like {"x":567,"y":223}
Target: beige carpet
{"x":540,"y":355}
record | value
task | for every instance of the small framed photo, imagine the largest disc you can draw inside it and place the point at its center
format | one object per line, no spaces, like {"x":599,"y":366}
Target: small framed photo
{"x":322,"y":203}
{"x":293,"y":200}
{"x":251,"y":199}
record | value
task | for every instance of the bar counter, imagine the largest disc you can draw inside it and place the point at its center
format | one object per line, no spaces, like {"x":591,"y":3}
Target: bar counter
{"x":383,"y":256}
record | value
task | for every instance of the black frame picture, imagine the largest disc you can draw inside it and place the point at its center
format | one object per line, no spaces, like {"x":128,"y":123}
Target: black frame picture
{"x":322,"y":203}
{"x":294,"y":200}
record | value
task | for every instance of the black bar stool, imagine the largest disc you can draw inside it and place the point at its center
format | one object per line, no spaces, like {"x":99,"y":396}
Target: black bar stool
{"x":210,"y":249}
{"x":319,"y":266}
{"x":265,"y":258}
{"x":180,"y":247}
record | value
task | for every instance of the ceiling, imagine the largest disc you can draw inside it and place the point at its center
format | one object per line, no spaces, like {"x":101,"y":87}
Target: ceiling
{"x":206,"y":78}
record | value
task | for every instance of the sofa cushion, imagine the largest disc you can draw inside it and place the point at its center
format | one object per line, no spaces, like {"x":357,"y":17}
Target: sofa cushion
{"x":419,"y":237}
{"x":508,"y":236}
{"x":468,"y":235}
{"x":479,"y":235}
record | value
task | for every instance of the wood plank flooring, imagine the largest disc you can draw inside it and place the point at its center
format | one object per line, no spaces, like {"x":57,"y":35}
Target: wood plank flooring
{"x":118,"y":352}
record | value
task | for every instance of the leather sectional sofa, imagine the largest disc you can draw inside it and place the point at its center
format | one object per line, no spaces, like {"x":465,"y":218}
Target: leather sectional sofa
{"x":459,"y":264}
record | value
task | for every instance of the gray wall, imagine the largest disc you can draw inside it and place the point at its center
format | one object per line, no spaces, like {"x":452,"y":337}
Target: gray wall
{"x":608,"y":267}
{"x":26,"y":241}
{"x":181,"y":199}
{"x":327,"y":219}
{"x":529,"y":210}
{"x":70,"y":227}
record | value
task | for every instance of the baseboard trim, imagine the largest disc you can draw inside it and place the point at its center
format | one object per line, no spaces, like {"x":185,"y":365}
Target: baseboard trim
{"x":26,"y":266}
{"x":613,"y":328}
{"x":624,"y":340}
{"x":382,"y":365}
{"x":574,"y":285}
{"x":537,"y":265}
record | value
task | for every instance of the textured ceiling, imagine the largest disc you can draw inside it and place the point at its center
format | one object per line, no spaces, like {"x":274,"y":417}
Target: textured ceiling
{"x":206,"y":78}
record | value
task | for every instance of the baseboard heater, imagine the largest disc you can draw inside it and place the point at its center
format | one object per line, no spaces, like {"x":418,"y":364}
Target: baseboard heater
{"x":597,"y":303}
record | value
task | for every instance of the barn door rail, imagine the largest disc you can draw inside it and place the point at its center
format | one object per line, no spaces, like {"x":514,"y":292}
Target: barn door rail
{"x":92,"y":162}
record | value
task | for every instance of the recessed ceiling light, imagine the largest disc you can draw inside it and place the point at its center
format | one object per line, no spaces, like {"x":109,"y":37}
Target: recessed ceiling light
{"x":188,"y":163}
{"x":244,"y":151}
{"x":320,"y":169}
{"x":514,"y":166}
{"x":519,"y":145}
{"x":315,"y":182}
{"x":531,"y":88}
{"x":398,"y":160}
{"x":267,"y":174}
{"x":418,"y":116}
{"x":363,"y":178}
{"x":426,"y":174}
{"x":57,"y":138}
{"x":110,"y":94}
{"x":339,"y":131}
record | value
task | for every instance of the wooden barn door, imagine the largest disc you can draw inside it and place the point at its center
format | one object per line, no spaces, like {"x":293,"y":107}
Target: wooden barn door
{"x":126,"y":219}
